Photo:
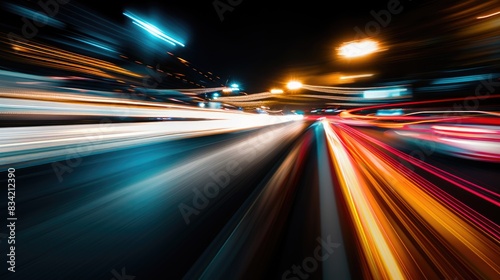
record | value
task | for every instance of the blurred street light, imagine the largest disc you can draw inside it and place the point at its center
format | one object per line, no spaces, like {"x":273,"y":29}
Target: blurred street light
{"x":276,"y":91}
{"x":352,"y":77}
{"x":358,"y":48}
{"x":292,"y":85}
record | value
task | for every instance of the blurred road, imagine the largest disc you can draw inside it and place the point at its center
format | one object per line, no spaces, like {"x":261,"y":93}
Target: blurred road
{"x":299,"y":199}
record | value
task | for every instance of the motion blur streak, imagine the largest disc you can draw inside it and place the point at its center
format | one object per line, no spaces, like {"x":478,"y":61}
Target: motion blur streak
{"x":37,"y":145}
{"x":146,"y":193}
{"x":122,"y":158}
{"x":261,"y":188}
{"x":489,"y":15}
{"x":336,"y":265}
{"x":379,"y":258}
{"x":53,"y":57}
{"x":243,"y":245}
{"x":470,"y":187}
{"x":412,"y":227}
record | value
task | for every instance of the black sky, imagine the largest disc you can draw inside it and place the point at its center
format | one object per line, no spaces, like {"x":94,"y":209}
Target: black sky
{"x":262,"y":44}
{"x":259,"y":44}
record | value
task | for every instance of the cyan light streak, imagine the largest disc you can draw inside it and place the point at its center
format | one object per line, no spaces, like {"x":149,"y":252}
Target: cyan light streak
{"x":95,"y":44}
{"x":384,"y":93}
{"x":462,"y":79}
{"x":39,"y":17}
{"x":155,"y":31}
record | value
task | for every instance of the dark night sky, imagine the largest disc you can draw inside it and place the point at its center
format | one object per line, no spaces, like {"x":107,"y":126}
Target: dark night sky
{"x":260,"y":44}
{"x":264,"y":44}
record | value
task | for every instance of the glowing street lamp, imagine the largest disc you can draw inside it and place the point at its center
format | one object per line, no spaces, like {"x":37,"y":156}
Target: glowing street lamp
{"x":293,"y":85}
{"x":276,"y":91}
{"x":358,"y":48}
